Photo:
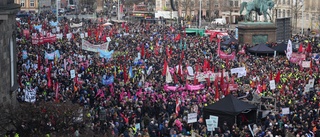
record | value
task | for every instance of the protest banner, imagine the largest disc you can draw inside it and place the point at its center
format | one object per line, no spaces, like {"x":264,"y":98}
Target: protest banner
{"x":232,"y":87}
{"x":75,"y":25}
{"x":241,"y":71}
{"x":311,"y":83}
{"x":192,"y":118}
{"x":202,"y":76}
{"x":86,"y":45}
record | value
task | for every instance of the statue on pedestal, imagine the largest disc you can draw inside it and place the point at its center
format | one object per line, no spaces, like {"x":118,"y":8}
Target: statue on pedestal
{"x":261,"y":7}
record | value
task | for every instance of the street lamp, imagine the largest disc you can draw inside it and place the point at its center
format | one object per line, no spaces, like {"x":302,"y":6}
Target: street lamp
{"x":302,"y":19}
{"x":200,"y":14}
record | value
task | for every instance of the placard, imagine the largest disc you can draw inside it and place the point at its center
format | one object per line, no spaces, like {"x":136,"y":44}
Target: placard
{"x":192,"y":118}
{"x":307,"y":88}
{"x":214,"y":121}
{"x":82,"y":35}
{"x":108,"y":39}
{"x":272,"y":84}
{"x":306,"y":64}
{"x":209,"y":123}
{"x":72,"y":73}
{"x":311,"y":83}
{"x":285,"y":111}
{"x":138,"y":126}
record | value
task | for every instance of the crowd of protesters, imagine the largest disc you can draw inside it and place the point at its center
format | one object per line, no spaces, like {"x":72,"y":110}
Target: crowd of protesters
{"x":140,"y":98}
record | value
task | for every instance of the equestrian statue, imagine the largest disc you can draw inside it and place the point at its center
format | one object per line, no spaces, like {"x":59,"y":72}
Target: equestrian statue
{"x":261,"y":7}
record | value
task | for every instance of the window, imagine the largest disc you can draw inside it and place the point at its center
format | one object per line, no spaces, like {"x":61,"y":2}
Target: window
{"x":31,"y":3}
{"x":236,"y":3}
{"x":289,"y":2}
{"x":216,"y":5}
{"x":22,"y":3}
{"x":284,"y":2}
{"x":231,"y":3}
{"x":279,"y":13}
{"x":283,"y":13}
{"x":208,"y":3}
{"x":288,"y":13}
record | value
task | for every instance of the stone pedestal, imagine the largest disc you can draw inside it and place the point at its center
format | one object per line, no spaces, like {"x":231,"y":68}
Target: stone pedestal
{"x":256,"y":32}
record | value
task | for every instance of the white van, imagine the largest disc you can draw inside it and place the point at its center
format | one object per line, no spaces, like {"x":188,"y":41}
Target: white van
{"x":219,"y":21}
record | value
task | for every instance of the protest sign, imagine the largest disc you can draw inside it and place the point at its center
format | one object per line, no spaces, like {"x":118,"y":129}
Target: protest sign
{"x":108,"y":39}
{"x":311,"y":83}
{"x":30,"y":95}
{"x":137,"y":126}
{"x":285,"y":111}
{"x":215,"y":121}
{"x":306,"y":64}
{"x":272,"y":84}
{"x":209,"y":123}
{"x":72,"y":73}
{"x":192,"y":118}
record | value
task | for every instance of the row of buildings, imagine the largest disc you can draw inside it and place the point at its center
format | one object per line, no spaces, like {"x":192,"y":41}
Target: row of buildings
{"x":298,"y":10}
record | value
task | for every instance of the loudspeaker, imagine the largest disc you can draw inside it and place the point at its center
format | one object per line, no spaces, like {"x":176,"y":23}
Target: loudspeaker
{"x":173,"y":6}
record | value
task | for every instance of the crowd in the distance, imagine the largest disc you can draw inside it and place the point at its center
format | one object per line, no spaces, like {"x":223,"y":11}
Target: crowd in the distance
{"x":137,"y":96}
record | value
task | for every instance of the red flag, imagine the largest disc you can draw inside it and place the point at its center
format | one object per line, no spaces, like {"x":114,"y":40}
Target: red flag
{"x":164,"y":70}
{"x":142,"y":51}
{"x":211,"y":37}
{"x":167,"y":51}
{"x":232,"y":79}
{"x":39,"y":62}
{"x":309,"y":47}
{"x":179,"y":69}
{"x":121,"y":8}
{"x":300,"y":48}
{"x":218,"y":50}
{"x":277,"y":79}
{"x":75,"y":80}
{"x":127,"y":28}
{"x":177,"y":38}
{"x":271,"y":75}
{"x":175,"y":79}
{"x":122,"y":25}
{"x":182,"y":55}
{"x":97,"y":34}
{"x":221,"y":80}
{"x":205,"y":65}
{"x":89,"y":32}
{"x":227,"y":92}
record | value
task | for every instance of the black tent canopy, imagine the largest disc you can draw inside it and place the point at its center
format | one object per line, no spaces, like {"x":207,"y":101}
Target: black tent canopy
{"x":228,"y":109}
{"x":229,"y":41}
{"x":281,"y":47}
{"x":261,"y":48}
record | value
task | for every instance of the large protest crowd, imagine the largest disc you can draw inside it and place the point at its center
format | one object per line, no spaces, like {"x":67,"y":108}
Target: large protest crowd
{"x":143,"y":77}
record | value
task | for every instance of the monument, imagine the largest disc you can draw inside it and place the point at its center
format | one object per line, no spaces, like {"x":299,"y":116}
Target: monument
{"x":253,"y":32}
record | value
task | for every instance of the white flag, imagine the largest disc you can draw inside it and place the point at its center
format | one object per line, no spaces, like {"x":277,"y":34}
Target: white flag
{"x":168,"y":76}
{"x":289,"y":49}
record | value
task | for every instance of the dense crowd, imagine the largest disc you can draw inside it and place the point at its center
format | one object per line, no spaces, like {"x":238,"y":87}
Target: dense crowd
{"x":136,"y":94}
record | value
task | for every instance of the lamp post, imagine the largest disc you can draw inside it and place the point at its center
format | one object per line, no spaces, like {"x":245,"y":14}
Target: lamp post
{"x":118,"y":9}
{"x":302,"y":19}
{"x":57,"y":12}
{"x":200,"y":14}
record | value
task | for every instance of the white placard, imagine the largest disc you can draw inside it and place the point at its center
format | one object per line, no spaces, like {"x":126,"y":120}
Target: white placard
{"x":86,"y":34}
{"x":306,"y":64}
{"x":307,"y":88}
{"x":108,"y":39}
{"x":285,"y":111}
{"x":311,"y":83}
{"x":214,"y":120}
{"x":209,"y":123}
{"x":69,"y":35}
{"x":30,"y":95}
{"x":138,"y":126}
{"x":241,"y":71}
{"x":272,"y":84}
{"x":82,"y":35}
{"x":72,"y":73}
{"x":192,"y":118}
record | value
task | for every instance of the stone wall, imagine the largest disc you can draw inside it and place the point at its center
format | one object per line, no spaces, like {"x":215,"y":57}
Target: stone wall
{"x":248,"y":31}
{"x":7,"y":29}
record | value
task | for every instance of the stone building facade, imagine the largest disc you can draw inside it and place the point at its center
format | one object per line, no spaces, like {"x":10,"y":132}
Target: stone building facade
{"x":8,"y":54}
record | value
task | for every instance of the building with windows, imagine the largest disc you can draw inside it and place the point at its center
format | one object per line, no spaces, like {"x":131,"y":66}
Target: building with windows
{"x":210,"y":9}
{"x":304,"y":13}
{"x":8,"y":55}
{"x":28,"y":5}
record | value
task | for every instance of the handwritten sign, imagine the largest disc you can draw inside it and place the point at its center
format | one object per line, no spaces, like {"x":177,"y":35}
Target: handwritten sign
{"x":285,"y":111}
{"x":72,"y":73}
{"x":306,"y":64}
{"x":214,"y":120}
{"x":209,"y":123}
{"x":192,"y":118}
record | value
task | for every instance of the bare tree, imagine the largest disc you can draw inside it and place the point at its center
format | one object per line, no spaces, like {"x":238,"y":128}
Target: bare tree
{"x":296,"y":9}
{"x":187,"y":7}
{"x":227,"y":6}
